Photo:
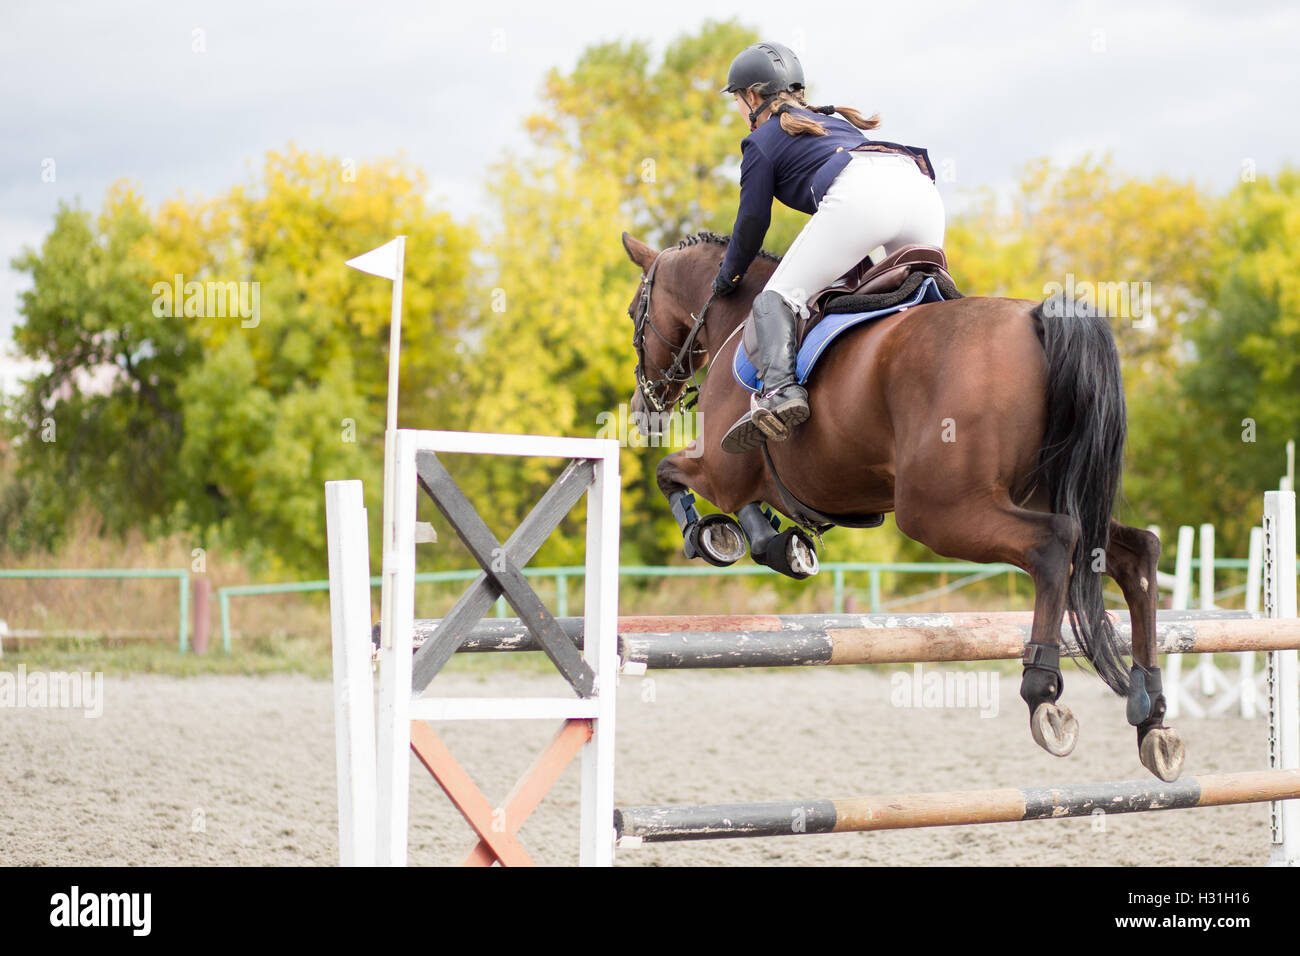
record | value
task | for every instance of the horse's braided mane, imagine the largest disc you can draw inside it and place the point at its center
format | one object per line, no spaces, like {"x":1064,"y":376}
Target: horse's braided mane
{"x":705,"y":236}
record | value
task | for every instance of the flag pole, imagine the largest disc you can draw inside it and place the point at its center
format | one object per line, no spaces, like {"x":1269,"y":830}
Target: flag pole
{"x":395,"y":338}
{"x":389,"y":262}
{"x":386,"y":595}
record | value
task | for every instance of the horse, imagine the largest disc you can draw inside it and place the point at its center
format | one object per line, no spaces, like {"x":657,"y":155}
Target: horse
{"x":993,"y":429}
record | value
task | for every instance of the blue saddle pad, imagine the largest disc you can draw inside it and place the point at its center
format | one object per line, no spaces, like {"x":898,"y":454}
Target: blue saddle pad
{"x":827,"y":331}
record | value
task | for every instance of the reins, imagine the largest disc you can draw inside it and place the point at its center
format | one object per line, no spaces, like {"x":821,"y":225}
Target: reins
{"x":682,"y":370}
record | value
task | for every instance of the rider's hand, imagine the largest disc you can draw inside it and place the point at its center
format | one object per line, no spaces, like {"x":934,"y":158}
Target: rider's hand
{"x":723,"y":286}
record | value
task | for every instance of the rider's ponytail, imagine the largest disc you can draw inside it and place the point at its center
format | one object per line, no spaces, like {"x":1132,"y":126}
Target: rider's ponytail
{"x":794,"y":124}
{"x":852,"y":115}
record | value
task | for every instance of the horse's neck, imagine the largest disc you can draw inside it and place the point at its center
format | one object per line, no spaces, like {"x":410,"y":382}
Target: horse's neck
{"x":726,"y":315}
{"x":718,"y":330}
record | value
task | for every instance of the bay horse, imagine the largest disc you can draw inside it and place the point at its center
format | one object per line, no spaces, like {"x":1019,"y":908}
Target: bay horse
{"x":992,"y":428}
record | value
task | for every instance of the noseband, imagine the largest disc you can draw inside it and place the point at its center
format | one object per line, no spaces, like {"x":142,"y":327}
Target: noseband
{"x":682,"y":370}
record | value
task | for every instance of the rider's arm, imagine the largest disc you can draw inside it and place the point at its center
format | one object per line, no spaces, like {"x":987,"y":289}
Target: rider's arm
{"x":757,"y":186}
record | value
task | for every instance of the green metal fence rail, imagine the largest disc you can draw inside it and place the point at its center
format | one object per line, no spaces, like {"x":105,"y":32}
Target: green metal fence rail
{"x":427,"y":577}
{"x":182,"y":577}
{"x":838,"y":571}
{"x":561,"y":575}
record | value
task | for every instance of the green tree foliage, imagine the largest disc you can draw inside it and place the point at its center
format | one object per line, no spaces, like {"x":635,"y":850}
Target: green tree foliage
{"x":661,"y":130}
{"x":221,"y":425}
{"x":104,"y":424}
{"x":1238,"y":395}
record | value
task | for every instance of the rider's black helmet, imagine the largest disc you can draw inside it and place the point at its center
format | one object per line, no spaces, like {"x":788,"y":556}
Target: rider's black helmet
{"x":772,"y":64}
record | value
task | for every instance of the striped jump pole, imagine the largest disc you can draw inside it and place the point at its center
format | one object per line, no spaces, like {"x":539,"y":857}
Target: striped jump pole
{"x":765,"y":640}
{"x":636,"y":825}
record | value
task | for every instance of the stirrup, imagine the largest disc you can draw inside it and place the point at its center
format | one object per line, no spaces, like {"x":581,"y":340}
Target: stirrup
{"x":777,"y":416}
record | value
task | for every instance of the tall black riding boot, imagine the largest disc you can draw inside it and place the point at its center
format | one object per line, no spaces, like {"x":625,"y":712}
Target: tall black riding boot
{"x":782,"y":405}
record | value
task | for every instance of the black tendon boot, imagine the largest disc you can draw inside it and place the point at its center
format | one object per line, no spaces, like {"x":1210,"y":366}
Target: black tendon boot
{"x":783,"y":404}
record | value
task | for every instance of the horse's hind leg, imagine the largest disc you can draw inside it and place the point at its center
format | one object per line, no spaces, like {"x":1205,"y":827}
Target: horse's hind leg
{"x":1131,"y":561}
{"x":1038,"y":542}
{"x":716,"y":538}
{"x":1048,"y":562}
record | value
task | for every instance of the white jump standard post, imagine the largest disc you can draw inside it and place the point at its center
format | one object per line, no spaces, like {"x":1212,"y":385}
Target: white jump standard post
{"x":376,"y":829}
{"x":1282,"y":671}
{"x":1182,"y":601}
{"x":588,"y":717}
{"x":354,"y":710}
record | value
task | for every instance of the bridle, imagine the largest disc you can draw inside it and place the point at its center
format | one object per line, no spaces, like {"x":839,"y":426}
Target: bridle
{"x":682,"y":370}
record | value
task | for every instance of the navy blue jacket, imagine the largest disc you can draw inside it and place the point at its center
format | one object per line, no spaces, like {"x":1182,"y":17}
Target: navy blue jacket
{"x":795,"y":169}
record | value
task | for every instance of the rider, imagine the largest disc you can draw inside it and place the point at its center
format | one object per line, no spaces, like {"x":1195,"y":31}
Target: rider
{"x":858,"y":200}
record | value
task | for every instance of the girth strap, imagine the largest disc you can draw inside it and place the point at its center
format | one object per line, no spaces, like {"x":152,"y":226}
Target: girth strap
{"x":809,"y":517}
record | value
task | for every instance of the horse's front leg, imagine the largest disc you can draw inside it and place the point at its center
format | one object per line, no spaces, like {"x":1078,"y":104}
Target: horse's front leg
{"x":716,"y":538}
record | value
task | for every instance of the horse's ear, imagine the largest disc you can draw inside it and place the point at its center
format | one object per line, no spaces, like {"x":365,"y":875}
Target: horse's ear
{"x":639,"y":252}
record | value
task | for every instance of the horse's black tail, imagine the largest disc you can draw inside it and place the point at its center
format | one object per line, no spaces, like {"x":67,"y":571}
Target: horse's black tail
{"x":1081,"y":459}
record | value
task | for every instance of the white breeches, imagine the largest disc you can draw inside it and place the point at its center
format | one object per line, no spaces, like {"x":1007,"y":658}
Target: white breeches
{"x":878,"y":199}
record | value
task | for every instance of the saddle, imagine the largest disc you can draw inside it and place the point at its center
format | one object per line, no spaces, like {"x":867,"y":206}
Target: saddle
{"x":872,"y":287}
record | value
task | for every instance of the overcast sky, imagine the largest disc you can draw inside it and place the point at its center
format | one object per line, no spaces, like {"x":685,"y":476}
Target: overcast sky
{"x":113,"y":90}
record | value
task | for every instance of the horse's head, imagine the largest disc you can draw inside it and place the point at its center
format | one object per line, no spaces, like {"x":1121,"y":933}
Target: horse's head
{"x":674,"y":287}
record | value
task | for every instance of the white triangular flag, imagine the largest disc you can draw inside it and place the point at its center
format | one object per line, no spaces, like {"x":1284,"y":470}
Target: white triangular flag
{"x":380,"y":262}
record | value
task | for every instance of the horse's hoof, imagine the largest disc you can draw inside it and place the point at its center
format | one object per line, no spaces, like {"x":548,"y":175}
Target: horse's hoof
{"x":720,"y":541}
{"x":1162,"y":752}
{"x":1054,"y":729}
{"x":802,"y":556}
